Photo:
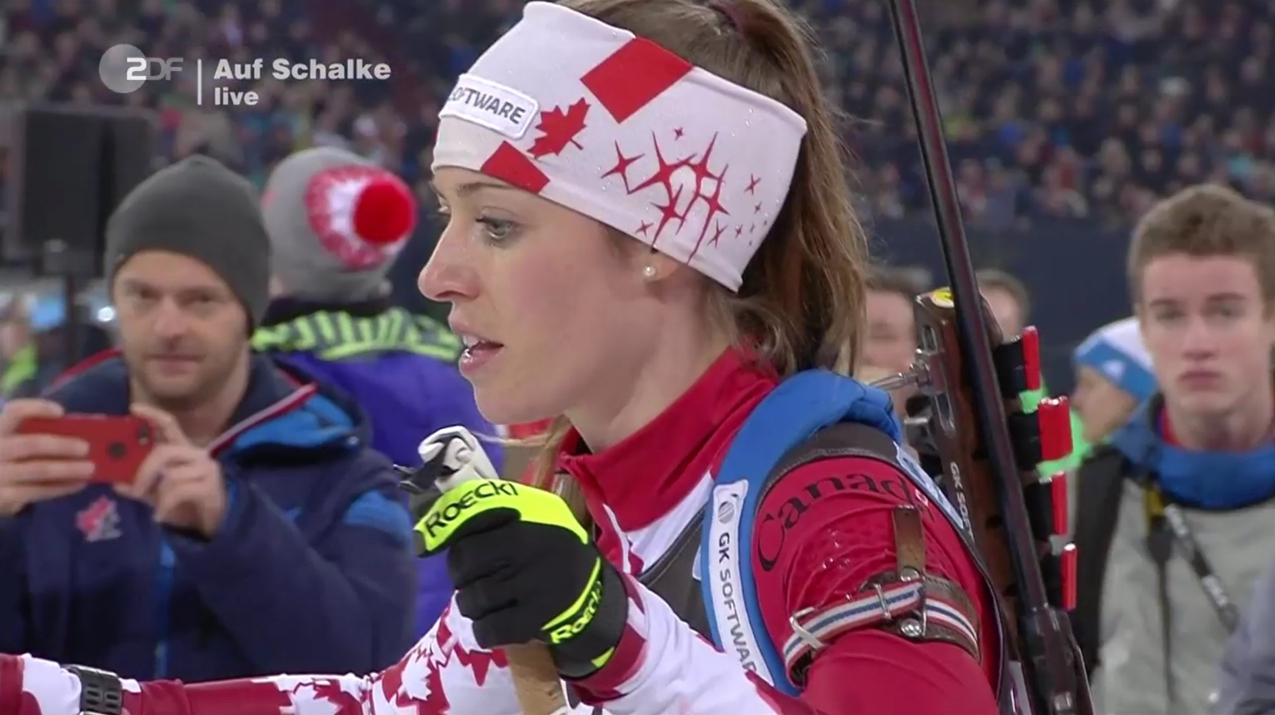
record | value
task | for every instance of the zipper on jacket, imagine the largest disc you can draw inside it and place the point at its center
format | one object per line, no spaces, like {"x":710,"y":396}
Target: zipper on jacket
{"x":163,"y":601}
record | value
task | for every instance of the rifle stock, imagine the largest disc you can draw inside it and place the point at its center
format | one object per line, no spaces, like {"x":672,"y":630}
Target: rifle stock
{"x":536,"y":679}
{"x":1038,"y":634}
{"x":966,"y":474}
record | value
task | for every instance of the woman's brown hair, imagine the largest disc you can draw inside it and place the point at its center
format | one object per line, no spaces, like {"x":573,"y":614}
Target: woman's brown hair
{"x":801,"y":302}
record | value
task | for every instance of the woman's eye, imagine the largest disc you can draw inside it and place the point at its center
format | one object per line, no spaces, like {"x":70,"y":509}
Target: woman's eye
{"x":497,"y":229}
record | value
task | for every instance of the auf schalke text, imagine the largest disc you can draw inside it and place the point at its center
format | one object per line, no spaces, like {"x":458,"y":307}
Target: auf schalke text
{"x":283,"y":68}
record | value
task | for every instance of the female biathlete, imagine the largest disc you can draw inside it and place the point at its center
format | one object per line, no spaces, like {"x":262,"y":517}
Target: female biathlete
{"x":649,"y":234}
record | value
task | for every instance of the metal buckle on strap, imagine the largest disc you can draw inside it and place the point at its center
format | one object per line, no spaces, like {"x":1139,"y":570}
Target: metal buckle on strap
{"x":883,"y":603}
{"x":812,"y":640}
{"x":800,"y":631}
{"x":911,"y":575}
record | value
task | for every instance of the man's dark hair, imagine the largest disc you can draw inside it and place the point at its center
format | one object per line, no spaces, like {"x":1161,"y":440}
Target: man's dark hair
{"x":996,"y":279}
{"x":908,"y":282}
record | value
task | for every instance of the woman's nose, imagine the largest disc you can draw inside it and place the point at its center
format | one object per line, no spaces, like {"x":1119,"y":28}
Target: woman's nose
{"x":447,"y":276}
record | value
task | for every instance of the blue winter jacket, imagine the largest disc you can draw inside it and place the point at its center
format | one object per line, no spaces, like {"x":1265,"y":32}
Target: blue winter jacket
{"x":401,"y":369}
{"x":311,"y":571}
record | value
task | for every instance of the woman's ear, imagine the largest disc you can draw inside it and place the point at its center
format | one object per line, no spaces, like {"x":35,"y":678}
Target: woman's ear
{"x":656,"y":266}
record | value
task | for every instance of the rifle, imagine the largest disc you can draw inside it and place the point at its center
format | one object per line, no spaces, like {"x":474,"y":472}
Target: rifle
{"x":986,"y":447}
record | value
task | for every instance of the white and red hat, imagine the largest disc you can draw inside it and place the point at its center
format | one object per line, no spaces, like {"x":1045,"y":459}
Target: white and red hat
{"x":336,"y":223}
{"x":619,"y":129}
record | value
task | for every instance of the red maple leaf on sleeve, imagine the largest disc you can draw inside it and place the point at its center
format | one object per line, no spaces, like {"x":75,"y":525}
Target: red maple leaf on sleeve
{"x":559,"y":128}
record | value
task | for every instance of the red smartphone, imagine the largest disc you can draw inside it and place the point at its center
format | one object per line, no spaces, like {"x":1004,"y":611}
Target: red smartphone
{"x":117,"y":444}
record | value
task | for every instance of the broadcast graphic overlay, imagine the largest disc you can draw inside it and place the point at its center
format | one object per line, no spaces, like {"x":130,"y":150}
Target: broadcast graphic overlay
{"x":125,"y":69}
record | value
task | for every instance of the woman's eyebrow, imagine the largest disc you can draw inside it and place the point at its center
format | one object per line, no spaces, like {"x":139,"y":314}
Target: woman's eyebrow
{"x":472,"y":187}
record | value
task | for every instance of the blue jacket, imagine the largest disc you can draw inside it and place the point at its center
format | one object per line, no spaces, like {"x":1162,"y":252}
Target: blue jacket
{"x":401,"y":369}
{"x":311,"y":571}
{"x":1189,"y":477}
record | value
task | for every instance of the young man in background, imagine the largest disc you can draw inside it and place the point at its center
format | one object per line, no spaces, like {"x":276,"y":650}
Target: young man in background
{"x":1174,"y":516}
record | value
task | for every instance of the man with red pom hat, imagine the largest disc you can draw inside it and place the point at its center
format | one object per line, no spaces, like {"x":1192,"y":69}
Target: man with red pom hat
{"x":336,"y":223}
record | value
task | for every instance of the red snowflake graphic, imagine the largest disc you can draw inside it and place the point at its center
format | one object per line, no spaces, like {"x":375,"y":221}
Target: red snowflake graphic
{"x":717,"y":235}
{"x":621,"y":168}
{"x":329,"y":690}
{"x":392,"y":684}
{"x":479,"y":662}
{"x":670,"y":203}
{"x":559,"y":128}
{"x":438,"y":704}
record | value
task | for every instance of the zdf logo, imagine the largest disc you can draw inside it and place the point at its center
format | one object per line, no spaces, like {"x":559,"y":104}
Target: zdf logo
{"x":124,"y":68}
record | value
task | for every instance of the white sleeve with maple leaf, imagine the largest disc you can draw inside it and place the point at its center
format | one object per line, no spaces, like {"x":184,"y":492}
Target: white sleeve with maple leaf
{"x":445,"y":673}
{"x":660,"y":667}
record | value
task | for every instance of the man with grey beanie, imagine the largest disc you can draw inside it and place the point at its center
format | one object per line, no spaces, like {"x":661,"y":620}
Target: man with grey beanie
{"x":336,"y":223}
{"x":261,"y":533}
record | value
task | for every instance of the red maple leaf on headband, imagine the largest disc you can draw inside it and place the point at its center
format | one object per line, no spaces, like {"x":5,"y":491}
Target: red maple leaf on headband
{"x":559,"y":128}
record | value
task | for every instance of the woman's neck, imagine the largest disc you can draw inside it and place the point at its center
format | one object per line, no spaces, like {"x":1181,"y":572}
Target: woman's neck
{"x":1243,"y":429}
{"x":637,"y":396}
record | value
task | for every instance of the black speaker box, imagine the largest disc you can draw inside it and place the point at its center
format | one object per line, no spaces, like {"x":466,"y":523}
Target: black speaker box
{"x":69,"y":168}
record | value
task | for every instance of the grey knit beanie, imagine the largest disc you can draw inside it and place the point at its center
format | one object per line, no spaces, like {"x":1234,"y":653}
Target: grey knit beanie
{"x":336,"y":223}
{"x":197,"y":208}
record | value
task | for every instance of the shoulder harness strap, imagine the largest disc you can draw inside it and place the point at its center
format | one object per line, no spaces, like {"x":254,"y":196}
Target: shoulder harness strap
{"x":790,"y":428}
{"x":907,"y":601}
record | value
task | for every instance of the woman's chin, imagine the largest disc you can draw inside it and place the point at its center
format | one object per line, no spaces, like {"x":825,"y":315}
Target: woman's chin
{"x":504,"y":407}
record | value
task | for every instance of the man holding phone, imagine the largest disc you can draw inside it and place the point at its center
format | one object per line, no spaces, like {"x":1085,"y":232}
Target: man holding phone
{"x":189,"y":509}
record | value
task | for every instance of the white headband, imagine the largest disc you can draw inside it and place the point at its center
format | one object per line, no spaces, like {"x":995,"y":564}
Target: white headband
{"x":621,"y":130}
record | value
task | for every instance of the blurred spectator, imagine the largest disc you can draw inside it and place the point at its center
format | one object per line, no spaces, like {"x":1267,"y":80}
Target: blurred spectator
{"x":890,"y":340}
{"x":1008,"y":299}
{"x":17,"y":351}
{"x":1113,"y":376}
{"x":330,"y":314}
{"x":262,"y":534}
{"x":889,"y":343}
{"x":50,"y":351}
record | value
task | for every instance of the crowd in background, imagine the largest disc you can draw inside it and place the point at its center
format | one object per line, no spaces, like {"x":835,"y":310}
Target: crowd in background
{"x":1079,"y":114}
{"x":1053,"y":108}
{"x":1056,"y":110}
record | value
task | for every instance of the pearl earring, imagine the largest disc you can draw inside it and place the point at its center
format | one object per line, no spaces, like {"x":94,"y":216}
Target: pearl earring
{"x":648,"y":272}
